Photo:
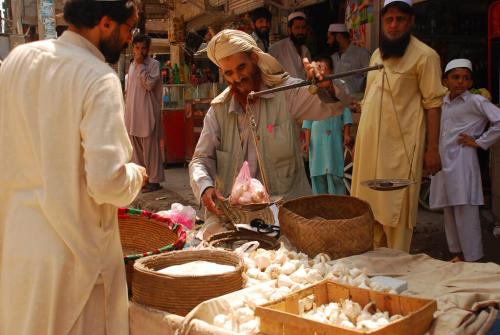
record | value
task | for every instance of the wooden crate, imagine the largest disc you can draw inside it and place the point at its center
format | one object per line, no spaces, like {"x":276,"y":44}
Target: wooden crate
{"x":281,"y":317}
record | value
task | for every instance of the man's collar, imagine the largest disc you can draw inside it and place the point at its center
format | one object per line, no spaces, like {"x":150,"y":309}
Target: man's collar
{"x":77,"y":39}
{"x":464,"y":96}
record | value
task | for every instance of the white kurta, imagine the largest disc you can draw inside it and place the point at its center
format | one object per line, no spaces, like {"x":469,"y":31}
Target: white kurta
{"x":286,"y":53}
{"x":63,"y":172}
{"x":459,"y":181}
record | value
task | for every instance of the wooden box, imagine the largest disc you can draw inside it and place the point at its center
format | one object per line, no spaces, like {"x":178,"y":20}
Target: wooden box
{"x":282,"y":316}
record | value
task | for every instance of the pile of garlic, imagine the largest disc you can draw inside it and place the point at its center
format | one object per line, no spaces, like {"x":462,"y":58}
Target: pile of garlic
{"x":291,"y":271}
{"x":296,"y":270}
{"x":346,"y":313}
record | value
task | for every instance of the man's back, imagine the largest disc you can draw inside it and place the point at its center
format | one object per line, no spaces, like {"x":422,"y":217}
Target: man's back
{"x":64,"y":148}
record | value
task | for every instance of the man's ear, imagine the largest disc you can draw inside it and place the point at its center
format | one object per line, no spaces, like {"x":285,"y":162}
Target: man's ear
{"x":106,"y":25}
{"x":444,"y":81}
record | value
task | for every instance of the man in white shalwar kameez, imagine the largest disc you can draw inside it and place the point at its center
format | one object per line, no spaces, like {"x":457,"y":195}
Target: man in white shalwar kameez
{"x":64,"y":171}
{"x":292,"y":50}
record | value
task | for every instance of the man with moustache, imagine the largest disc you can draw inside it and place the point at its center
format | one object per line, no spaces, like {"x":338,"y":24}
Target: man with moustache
{"x":261,"y":22}
{"x":291,"y":50}
{"x":348,"y":57}
{"x":398,"y":132}
{"x":64,"y":172}
{"x":143,"y":112}
{"x":227,"y":139}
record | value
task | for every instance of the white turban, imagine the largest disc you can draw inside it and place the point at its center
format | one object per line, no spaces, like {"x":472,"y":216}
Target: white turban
{"x":229,"y":42}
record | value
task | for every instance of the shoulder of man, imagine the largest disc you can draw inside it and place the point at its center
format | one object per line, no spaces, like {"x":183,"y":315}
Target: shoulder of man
{"x":422,"y":48}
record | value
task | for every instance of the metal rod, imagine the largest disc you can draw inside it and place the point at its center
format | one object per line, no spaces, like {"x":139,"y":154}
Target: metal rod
{"x":309,"y":82}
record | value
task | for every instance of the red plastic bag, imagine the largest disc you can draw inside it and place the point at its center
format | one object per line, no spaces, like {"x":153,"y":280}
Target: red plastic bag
{"x":247,"y":190}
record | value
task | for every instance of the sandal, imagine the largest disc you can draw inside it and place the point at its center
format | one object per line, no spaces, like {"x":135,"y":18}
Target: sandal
{"x":151,"y":187}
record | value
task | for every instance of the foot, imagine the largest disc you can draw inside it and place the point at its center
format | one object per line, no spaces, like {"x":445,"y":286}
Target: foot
{"x":151,"y":187}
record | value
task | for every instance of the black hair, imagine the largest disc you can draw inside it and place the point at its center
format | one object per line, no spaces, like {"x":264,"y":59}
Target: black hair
{"x":290,"y":23}
{"x":400,"y":5}
{"x":324,"y":58}
{"x":88,"y":13}
{"x":142,"y":39}
{"x":261,"y":12}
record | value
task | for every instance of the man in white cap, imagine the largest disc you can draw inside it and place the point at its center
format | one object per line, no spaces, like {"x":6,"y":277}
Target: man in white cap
{"x":291,"y":50}
{"x":457,"y":188}
{"x":227,"y":139}
{"x":347,"y":56}
{"x":398,"y":132}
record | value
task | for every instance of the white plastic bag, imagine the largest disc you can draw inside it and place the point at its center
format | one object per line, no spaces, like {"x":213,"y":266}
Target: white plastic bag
{"x":247,"y":190}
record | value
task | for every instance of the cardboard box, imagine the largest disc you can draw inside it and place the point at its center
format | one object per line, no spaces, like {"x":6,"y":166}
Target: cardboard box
{"x":282,"y":317}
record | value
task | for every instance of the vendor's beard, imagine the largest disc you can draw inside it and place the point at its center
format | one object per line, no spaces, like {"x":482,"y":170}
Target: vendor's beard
{"x":253,"y":83}
{"x":111,"y":48}
{"x":333,"y":48}
{"x":394,"y":48}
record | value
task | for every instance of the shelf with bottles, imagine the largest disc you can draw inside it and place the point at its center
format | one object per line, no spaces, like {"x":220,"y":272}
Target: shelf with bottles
{"x":173,"y":96}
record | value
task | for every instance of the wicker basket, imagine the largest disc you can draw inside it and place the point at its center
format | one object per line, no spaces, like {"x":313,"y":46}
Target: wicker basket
{"x":144,"y":234}
{"x":230,"y":240}
{"x":340,"y":226}
{"x":180,"y":294}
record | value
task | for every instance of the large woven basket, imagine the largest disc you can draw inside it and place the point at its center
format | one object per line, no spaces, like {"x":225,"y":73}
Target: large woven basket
{"x":340,"y":226}
{"x":144,"y":234}
{"x":180,"y":294}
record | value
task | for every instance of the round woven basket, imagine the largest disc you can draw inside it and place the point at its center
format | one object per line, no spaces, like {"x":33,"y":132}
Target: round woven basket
{"x":144,"y":234}
{"x":180,"y":294}
{"x":231,"y":240}
{"x":340,"y":226}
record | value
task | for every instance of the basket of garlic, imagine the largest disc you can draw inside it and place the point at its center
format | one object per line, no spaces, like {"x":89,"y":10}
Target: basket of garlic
{"x":144,"y":234}
{"x":340,"y":226}
{"x":178,"y":281}
{"x":332,"y":308}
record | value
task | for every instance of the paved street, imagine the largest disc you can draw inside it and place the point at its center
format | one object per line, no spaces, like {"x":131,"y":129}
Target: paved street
{"x":428,"y":238}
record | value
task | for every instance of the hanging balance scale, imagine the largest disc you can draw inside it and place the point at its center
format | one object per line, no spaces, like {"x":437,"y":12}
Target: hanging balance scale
{"x":379,"y":184}
{"x":342,"y":95}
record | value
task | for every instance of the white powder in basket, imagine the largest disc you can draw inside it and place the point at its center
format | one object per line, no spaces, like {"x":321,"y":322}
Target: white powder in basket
{"x":200,"y":268}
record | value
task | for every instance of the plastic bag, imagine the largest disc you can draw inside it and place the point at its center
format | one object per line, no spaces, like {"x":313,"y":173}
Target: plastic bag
{"x":247,"y":190}
{"x":184,"y":215}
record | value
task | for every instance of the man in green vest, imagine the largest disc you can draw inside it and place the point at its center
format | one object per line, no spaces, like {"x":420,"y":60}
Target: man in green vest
{"x":226,"y":140}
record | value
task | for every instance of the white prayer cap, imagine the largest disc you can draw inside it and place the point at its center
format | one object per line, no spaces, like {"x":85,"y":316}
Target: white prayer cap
{"x":295,"y":15}
{"x":459,"y":62}
{"x":337,"y":28}
{"x":408,"y":2}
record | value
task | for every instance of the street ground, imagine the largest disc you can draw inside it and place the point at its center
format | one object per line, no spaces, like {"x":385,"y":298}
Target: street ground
{"x":428,"y":237}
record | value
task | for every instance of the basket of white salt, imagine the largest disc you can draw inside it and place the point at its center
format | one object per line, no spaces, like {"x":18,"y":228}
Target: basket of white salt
{"x":178,"y":281}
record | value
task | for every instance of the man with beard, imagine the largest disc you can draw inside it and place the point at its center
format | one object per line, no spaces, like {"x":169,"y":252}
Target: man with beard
{"x":291,"y":50}
{"x":143,"y":112}
{"x":398,"y":132}
{"x":261,"y":22}
{"x":64,"y":172}
{"x":348,"y":57}
{"x":227,"y":138}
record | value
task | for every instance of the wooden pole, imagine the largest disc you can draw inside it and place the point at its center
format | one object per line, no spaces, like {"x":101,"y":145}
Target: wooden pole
{"x":17,"y":9}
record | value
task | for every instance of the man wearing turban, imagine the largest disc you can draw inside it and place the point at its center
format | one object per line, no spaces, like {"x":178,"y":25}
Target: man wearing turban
{"x":226,"y":140}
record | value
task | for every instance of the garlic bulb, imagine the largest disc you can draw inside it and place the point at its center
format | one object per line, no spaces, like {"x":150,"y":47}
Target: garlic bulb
{"x":299,"y":276}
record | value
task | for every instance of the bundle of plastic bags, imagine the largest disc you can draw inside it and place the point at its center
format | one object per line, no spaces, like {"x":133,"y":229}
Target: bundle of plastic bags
{"x":178,"y":213}
{"x":247,"y":190}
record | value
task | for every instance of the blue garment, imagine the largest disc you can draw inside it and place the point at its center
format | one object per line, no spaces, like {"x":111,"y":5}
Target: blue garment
{"x":328,"y":184}
{"x":326,"y":147}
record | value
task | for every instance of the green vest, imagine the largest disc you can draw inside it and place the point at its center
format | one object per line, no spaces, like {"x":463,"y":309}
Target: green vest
{"x":277,"y":141}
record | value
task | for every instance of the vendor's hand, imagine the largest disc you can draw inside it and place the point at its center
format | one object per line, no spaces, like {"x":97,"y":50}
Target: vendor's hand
{"x":467,"y":141}
{"x":432,"y":161}
{"x":138,"y":58}
{"x":142,"y":172}
{"x":209,"y":198}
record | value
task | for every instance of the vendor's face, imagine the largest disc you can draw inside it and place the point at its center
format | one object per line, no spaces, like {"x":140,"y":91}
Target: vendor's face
{"x":298,"y":31}
{"x":330,"y":38}
{"x":241,"y":72}
{"x":396,"y":23}
{"x":458,"y":81}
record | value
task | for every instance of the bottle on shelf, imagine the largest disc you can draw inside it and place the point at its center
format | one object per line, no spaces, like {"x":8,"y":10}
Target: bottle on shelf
{"x":177,"y":79}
